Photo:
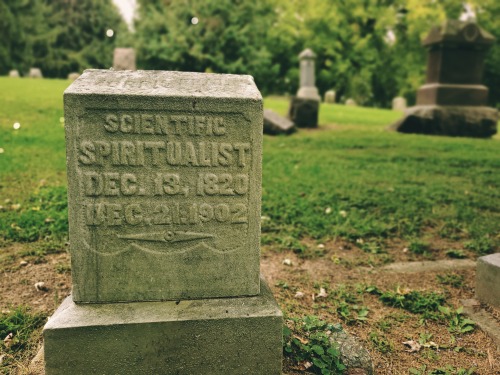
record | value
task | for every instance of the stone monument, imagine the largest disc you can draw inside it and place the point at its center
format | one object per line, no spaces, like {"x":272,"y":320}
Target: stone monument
{"x":351,"y":102}
{"x":35,"y":73}
{"x":453,"y":101}
{"x":304,"y":107}
{"x":164,"y":189}
{"x":14,"y":74}
{"x":330,"y":96}
{"x":124,"y":59}
{"x":488,"y":279}
{"x":398,"y":103}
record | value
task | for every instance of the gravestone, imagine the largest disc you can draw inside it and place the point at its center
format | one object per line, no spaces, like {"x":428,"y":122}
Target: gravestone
{"x":14,"y":74}
{"x":275,"y":124}
{"x":35,"y":73}
{"x":453,"y":101}
{"x":398,"y":104}
{"x":330,"y":96}
{"x":304,"y":107}
{"x":350,"y":102}
{"x":164,"y":189}
{"x":73,"y":76}
{"x":124,"y":59}
{"x":488,"y":279}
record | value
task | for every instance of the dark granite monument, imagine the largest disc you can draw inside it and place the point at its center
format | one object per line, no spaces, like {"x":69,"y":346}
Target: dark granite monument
{"x":453,"y":101}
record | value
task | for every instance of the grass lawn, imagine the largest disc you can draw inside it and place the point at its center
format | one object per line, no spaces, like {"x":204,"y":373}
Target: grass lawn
{"x":339,"y":202}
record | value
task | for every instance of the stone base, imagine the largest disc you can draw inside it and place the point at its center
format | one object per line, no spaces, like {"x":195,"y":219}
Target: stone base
{"x":304,"y":112}
{"x":452,"y":95}
{"x":457,"y":121}
{"x":488,"y":279}
{"x":210,"y":336}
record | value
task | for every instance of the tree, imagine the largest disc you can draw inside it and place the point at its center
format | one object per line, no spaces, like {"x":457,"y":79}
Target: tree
{"x":224,"y":36}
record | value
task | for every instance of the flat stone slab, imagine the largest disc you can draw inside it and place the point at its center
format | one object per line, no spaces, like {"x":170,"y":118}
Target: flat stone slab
{"x":275,"y":124}
{"x":456,"y":121}
{"x":430,"y":265}
{"x":164,"y":185}
{"x":488,"y":279}
{"x":472,"y":308}
{"x":210,"y":336}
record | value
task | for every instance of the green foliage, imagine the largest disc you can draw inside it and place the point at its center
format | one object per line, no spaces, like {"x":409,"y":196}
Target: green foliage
{"x":381,"y":342}
{"x":308,"y":340}
{"x":456,"y":254}
{"x":58,"y":36}
{"x":19,"y":325}
{"x":457,"y":323}
{"x":229,"y":38}
{"x":413,"y":301}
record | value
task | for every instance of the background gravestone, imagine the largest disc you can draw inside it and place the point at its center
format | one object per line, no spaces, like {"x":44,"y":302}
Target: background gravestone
{"x":330,"y":96}
{"x":350,"y":102}
{"x":398,"y":104}
{"x":124,"y":59}
{"x":35,"y":73}
{"x":73,"y":76}
{"x":453,"y":101}
{"x":276,"y":124}
{"x":14,"y":74}
{"x":164,"y":189}
{"x":304,"y":107}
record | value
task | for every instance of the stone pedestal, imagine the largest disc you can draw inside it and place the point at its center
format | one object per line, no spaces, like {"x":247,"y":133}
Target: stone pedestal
{"x":453,"y":102}
{"x":304,"y":112}
{"x":275,"y":124}
{"x":208,"y":336}
{"x":488,"y":279}
{"x":479,"y":122}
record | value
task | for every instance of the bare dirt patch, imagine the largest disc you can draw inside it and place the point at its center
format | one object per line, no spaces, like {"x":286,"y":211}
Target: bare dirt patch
{"x":342,"y":269}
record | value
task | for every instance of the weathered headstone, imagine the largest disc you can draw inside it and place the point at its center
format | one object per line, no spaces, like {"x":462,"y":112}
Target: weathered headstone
{"x":164,"y":188}
{"x":398,"y":104}
{"x":453,"y":101}
{"x":73,"y":76}
{"x":330,"y":96}
{"x":488,"y":279}
{"x":124,"y":59}
{"x":275,"y":124}
{"x":35,"y":73}
{"x":351,"y":102}
{"x":14,"y":74}
{"x":304,"y":107}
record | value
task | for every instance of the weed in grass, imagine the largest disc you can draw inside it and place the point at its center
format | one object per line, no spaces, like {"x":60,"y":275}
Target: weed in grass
{"x":381,"y":342}
{"x":413,"y":301}
{"x":307,"y":340}
{"x":447,"y":370}
{"x":481,"y":246}
{"x":453,"y":279}
{"x":456,"y":254}
{"x":282,"y":284}
{"x":457,"y":323}
{"x":16,"y":332}
{"x":63,"y":268}
{"x":419,"y":247}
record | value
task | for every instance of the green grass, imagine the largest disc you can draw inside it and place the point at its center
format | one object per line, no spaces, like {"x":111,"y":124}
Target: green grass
{"x":360,"y":181}
{"x":350,"y":178}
